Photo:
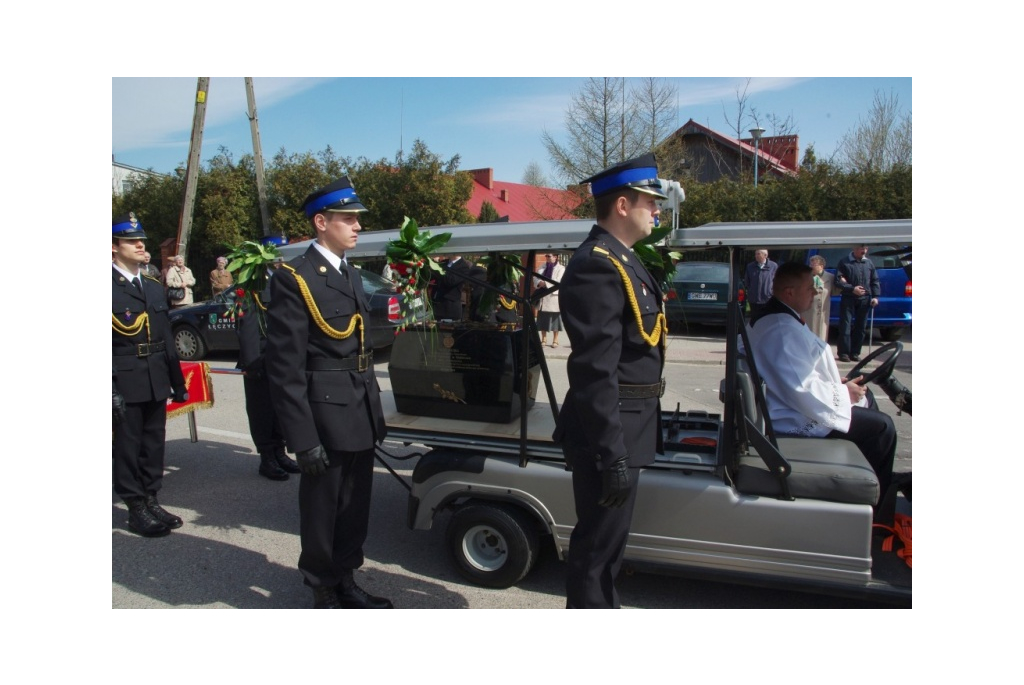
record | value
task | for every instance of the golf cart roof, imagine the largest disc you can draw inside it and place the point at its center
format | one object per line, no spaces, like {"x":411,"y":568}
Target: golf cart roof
{"x":792,"y":233}
{"x":505,"y":236}
{"x":522,"y":236}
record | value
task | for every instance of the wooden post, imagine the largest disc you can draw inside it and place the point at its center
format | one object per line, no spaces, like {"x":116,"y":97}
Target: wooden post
{"x":192,"y":174}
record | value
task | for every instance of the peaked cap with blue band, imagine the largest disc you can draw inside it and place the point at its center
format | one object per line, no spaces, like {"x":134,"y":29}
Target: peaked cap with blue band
{"x":128,"y":227}
{"x":640,"y":174}
{"x":339,"y":196}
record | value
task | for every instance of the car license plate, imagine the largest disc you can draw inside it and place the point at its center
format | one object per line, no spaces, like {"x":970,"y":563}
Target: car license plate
{"x":702,"y":296}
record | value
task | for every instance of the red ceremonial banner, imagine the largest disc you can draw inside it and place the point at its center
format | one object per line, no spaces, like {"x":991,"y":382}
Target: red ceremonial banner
{"x":198,"y":386}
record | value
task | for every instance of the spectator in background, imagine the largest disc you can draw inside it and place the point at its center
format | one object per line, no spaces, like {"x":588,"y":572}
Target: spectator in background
{"x":757,"y":281}
{"x":150,"y":269}
{"x":816,"y":316}
{"x":858,"y":282}
{"x":548,"y":315}
{"x":180,"y":276}
{"x":220,"y":278}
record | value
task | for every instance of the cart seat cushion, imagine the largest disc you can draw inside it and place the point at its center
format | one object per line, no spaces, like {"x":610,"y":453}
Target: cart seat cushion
{"x":822,"y":468}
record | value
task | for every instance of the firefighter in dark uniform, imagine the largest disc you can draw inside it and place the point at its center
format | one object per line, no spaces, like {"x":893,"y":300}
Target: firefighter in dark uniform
{"x":264,"y":426}
{"x":446,"y":299}
{"x":610,"y":423}
{"x":146,"y":373}
{"x":320,"y":365}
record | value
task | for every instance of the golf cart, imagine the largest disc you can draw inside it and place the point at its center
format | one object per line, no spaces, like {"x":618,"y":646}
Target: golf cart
{"x":728,"y":501}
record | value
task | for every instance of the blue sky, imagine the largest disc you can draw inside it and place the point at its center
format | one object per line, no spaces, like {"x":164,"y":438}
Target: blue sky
{"x":488,"y":122}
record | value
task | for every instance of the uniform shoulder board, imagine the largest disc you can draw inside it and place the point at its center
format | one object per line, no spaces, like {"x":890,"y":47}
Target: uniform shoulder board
{"x":600,"y":250}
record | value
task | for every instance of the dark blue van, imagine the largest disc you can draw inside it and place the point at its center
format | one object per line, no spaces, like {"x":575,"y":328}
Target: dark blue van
{"x":894,"y":313}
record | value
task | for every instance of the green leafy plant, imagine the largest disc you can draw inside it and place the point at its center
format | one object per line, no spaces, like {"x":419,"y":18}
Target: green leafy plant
{"x":410,"y":257}
{"x":249,"y":264}
{"x":658,"y":262}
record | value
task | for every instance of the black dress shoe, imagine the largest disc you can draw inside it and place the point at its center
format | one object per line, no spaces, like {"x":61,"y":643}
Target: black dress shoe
{"x":285,"y":462}
{"x":325,"y":598}
{"x":854,"y":357}
{"x":844,"y":358}
{"x":142,"y":521}
{"x":269,"y":468}
{"x":356,"y":597}
{"x":165,"y":517}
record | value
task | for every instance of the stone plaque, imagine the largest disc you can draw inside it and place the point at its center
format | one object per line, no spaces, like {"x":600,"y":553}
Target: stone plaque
{"x":471,"y":372}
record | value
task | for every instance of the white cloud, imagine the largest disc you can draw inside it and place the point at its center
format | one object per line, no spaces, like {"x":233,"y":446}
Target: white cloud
{"x":158,"y":112}
{"x":520,"y":112}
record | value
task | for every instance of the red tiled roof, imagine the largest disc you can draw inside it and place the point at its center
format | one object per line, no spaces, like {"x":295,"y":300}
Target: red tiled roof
{"x":517,"y":201}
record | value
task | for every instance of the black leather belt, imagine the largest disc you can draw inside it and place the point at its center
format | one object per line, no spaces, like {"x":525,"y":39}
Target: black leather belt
{"x":637,"y":392}
{"x":358,"y":363}
{"x":140,"y":350}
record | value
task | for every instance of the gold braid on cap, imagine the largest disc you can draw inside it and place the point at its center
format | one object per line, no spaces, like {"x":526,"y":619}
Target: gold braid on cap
{"x":658,"y":333}
{"x":129,"y":330}
{"x":318,"y":319}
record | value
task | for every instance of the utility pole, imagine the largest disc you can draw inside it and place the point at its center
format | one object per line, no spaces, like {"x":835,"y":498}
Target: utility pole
{"x":261,"y":185}
{"x":192,"y":173}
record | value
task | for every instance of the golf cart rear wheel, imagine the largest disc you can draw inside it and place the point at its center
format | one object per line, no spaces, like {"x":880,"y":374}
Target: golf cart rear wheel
{"x":493,"y":545}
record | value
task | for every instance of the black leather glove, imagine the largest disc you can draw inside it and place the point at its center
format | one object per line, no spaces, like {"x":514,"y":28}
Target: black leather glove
{"x":119,"y":412}
{"x":615,"y":484}
{"x":180,"y":395}
{"x":312,"y":462}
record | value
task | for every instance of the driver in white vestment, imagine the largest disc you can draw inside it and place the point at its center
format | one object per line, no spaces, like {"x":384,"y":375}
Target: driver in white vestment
{"x":805,"y":393}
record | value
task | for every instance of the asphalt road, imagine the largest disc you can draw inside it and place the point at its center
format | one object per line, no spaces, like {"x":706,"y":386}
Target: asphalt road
{"x":239,"y":545}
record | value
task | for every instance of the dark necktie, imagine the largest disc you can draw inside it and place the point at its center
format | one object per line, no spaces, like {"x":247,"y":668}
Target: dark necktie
{"x":137,"y":283}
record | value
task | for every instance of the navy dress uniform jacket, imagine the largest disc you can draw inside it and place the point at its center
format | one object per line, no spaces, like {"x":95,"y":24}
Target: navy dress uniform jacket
{"x":252,"y":342}
{"x":339,"y":409}
{"x":150,"y":378}
{"x":447,"y":296}
{"x":608,"y":350}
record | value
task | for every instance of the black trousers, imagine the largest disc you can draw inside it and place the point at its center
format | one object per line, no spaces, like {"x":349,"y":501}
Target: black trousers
{"x":853,"y":322}
{"x":263,"y":424}
{"x":598,"y":541}
{"x":139,"y":449}
{"x":875,"y":434}
{"x":334,"y":514}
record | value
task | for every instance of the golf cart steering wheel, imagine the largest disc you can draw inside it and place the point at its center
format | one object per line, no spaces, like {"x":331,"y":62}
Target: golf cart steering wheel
{"x":884,"y":369}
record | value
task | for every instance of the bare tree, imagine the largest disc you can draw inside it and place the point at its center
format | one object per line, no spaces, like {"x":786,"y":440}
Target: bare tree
{"x":738,"y":125}
{"x":882,"y":141}
{"x":533,"y":176}
{"x":602,"y":130}
{"x":655,"y":102}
